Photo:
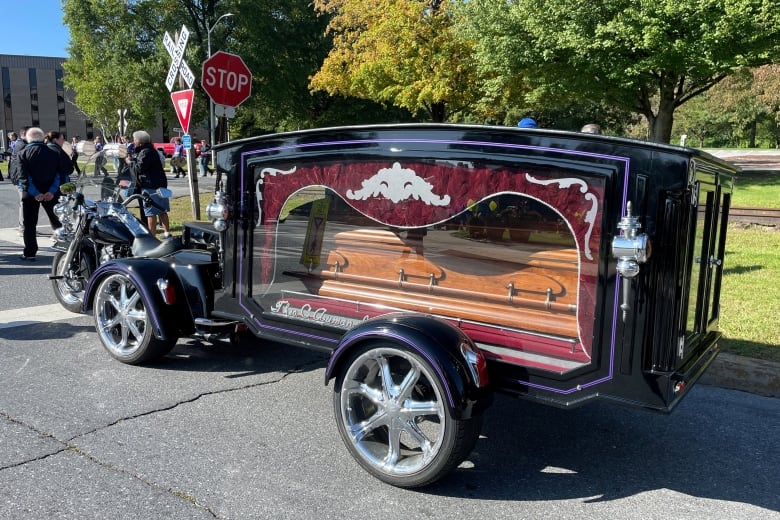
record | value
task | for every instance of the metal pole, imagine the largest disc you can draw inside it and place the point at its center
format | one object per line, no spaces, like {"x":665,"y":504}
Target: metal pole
{"x":211,"y":101}
{"x":212,"y":128}
{"x":192,"y":173}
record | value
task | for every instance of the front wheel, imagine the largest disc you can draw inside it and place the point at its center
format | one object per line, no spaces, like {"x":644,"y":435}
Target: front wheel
{"x":391,"y":414}
{"x":123,"y":323}
{"x":69,"y":289}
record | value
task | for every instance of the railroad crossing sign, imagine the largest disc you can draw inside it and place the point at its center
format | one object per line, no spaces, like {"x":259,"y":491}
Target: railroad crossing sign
{"x":176,"y":50}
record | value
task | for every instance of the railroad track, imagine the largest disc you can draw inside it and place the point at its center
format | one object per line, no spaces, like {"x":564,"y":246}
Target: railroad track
{"x":768,"y":216}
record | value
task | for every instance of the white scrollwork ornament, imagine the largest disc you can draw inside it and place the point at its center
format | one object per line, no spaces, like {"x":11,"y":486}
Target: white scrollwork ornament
{"x":590,"y":216}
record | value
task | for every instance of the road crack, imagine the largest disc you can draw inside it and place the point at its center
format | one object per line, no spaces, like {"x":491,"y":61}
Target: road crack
{"x":69,"y":445}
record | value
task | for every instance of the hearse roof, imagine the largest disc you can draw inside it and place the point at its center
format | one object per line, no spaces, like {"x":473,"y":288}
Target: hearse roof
{"x":537,"y":137}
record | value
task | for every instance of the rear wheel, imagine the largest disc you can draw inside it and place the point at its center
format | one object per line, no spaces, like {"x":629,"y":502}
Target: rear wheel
{"x":391,"y":414}
{"x":123,"y":323}
{"x":69,"y":289}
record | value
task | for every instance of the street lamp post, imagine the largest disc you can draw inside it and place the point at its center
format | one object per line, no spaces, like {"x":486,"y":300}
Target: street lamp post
{"x":212,"y":126}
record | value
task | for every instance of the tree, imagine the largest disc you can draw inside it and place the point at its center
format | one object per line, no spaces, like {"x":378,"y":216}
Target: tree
{"x":735,"y":101}
{"x":742,"y":109}
{"x":114,"y":60}
{"x":401,"y":52}
{"x":766,"y":87}
{"x":283,"y":43}
{"x":649,"y":57}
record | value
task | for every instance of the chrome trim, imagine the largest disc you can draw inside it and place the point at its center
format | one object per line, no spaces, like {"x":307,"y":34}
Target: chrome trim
{"x":631,"y":249}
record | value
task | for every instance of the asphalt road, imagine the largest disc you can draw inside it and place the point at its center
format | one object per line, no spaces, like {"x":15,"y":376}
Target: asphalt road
{"x":214,"y":431}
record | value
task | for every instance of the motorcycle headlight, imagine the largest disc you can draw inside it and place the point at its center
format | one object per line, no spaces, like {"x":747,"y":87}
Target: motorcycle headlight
{"x":60,"y":234}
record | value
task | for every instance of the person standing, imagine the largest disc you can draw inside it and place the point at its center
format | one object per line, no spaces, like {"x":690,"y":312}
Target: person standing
{"x":205,"y":159}
{"x":177,"y":159}
{"x":100,"y":160}
{"x":55,"y":140}
{"x":125,"y":148}
{"x":13,"y":169}
{"x":148,"y":175}
{"x":38,"y":168}
{"x":74,"y":155}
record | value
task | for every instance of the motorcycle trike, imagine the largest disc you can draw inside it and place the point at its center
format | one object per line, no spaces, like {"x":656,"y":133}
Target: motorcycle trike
{"x":440,"y":264}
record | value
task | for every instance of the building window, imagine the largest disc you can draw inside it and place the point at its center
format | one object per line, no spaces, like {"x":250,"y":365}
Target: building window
{"x":36,"y":121}
{"x":9,"y":115}
{"x":60,"y":100}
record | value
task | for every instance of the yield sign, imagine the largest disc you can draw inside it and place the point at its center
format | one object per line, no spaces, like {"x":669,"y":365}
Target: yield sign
{"x":182,"y":104}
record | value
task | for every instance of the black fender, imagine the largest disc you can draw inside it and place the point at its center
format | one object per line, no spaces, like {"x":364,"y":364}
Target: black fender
{"x":168,"y":320}
{"x":457,"y":361}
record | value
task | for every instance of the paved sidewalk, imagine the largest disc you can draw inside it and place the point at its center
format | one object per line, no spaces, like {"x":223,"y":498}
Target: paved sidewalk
{"x":746,"y":374}
{"x":750,"y":159}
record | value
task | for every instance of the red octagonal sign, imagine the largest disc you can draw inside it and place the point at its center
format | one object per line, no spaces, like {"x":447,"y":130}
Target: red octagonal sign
{"x":226,"y":79}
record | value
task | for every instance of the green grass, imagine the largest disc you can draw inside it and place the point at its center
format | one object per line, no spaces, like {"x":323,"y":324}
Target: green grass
{"x":757,"y":189}
{"x":181,"y":210}
{"x":750,"y":297}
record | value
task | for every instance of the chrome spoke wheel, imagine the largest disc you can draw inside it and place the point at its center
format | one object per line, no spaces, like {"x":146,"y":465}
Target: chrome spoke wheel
{"x":69,"y":286}
{"x":393,"y":416}
{"x":124,"y":322}
{"x":121,"y":318}
{"x":392,"y":411}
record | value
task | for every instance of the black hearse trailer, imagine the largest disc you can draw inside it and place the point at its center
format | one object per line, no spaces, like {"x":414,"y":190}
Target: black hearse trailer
{"x":438,"y":264}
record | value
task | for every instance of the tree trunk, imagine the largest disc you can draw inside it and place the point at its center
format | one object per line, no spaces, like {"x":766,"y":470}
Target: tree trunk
{"x":661,"y":124}
{"x":438,"y":112}
{"x":752,"y":133}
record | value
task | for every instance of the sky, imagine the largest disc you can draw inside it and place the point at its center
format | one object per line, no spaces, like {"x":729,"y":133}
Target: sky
{"x":33,"y":28}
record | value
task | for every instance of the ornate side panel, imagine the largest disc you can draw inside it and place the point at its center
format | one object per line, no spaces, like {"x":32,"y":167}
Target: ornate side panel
{"x":508,"y":250}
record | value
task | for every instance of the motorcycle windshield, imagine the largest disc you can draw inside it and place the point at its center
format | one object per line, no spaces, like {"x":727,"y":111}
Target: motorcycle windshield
{"x":101,"y":177}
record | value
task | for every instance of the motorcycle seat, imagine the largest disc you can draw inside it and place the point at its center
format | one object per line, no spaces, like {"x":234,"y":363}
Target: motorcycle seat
{"x":150,"y":247}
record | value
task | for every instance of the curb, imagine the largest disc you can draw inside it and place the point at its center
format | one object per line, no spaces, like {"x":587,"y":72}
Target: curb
{"x":755,"y":376}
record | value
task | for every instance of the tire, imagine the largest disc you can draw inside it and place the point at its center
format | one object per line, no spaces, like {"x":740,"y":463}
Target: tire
{"x":70,"y":289}
{"x":392,"y":416}
{"x":123,"y":323}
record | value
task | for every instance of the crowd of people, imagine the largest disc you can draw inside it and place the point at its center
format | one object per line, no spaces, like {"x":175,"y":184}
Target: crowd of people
{"x":40,"y":162}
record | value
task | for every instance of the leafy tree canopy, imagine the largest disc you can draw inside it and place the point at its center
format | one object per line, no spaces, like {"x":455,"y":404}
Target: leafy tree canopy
{"x":648,"y":56}
{"x":401,"y":52}
{"x":742,"y":109}
{"x":115,"y":60}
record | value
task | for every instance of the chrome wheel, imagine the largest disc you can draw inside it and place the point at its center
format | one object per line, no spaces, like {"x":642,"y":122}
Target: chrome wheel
{"x":393,"y":419}
{"x":69,"y":289}
{"x":123,"y":323}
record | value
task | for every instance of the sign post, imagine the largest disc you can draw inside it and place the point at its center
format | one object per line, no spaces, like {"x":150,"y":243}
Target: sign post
{"x":122,"y":120}
{"x":182,"y":104}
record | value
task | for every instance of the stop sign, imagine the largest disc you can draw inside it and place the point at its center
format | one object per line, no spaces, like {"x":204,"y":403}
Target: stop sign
{"x":226,"y":79}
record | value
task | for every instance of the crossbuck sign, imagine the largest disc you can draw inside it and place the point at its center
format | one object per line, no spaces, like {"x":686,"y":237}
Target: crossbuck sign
{"x":176,"y":50}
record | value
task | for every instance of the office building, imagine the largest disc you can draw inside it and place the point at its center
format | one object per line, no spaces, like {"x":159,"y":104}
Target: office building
{"x":34,"y":95}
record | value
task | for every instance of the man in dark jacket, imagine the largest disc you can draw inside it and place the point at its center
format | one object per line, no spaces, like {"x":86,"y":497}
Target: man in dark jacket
{"x":148,"y":175}
{"x":55,"y":140}
{"x":39,"y":183}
